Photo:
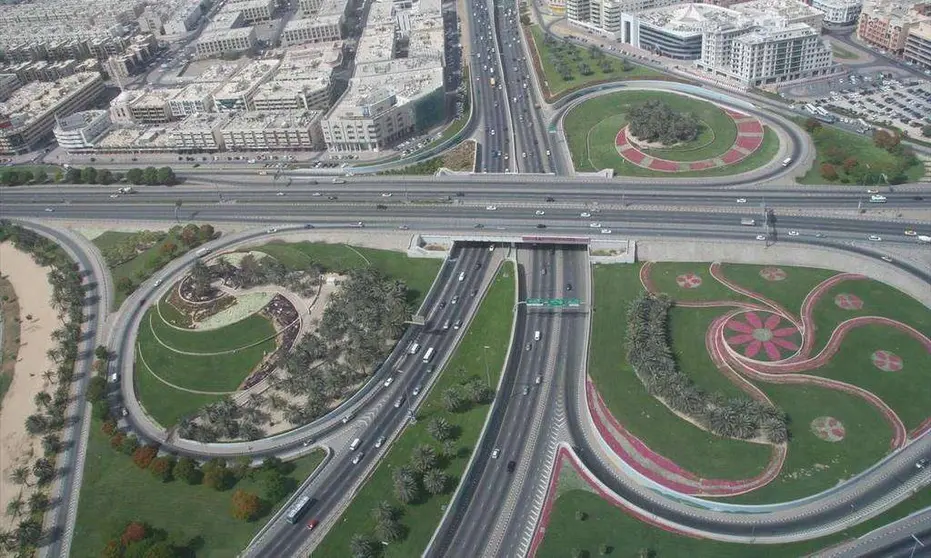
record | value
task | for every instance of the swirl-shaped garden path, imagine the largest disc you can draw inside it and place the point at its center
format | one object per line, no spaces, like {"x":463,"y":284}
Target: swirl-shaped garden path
{"x":741,"y":368}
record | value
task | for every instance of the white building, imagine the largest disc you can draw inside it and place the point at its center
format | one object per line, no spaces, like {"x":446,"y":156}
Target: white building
{"x":236,"y":94}
{"x":791,"y":11}
{"x":226,"y":41}
{"x":152,"y":107}
{"x":612,"y":18}
{"x":257,"y":131}
{"x":312,"y":30}
{"x":199,"y":132}
{"x":839,"y":12}
{"x":193,"y":99}
{"x":81,"y":130}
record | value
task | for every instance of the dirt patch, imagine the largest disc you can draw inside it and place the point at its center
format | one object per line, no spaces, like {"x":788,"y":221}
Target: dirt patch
{"x":38,"y":321}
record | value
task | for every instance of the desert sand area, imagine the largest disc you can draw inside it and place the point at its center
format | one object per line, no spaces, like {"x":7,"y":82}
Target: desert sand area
{"x":30,"y":282}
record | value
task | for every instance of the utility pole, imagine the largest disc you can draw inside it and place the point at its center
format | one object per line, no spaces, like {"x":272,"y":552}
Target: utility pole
{"x":487,"y":373}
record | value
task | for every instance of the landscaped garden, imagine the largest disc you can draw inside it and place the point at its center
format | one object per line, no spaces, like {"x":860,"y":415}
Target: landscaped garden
{"x":848,"y":158}
{"x":745,"y":352}
{"x":255,"y":342}
{"x":403,"y":500}
{"x":567,"y":67}
{"x":604,"y":133}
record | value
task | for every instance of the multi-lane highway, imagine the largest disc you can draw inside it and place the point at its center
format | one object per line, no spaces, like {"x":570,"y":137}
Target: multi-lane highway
{"x":490,"y":107}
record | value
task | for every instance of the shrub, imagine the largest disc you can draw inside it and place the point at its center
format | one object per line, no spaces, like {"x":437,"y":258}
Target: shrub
{"x":187,"y":470}
{"x":161,"y":468}
{"x":116,"y":442}
{"x":134,"y":532}
{"x":143,"y":456}
{"x":246,"y":506}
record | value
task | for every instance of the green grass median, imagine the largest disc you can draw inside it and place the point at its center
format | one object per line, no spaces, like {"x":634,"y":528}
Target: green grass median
{"x":491,"y":327}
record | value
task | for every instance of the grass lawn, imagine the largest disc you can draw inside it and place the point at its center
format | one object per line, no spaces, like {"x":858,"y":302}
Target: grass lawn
{"x":813,"y":465}
{"x":692,"y":448}
{"x":664,"y":276}
{"x":857,"y":146}
{"x":139,"y":268}
{"x":592,"y":126}
{"x":114,"y":491}
{"x":687,"y":327}
{"x":417,"y":273}
{"x":551,"y":53}
{"x":790,"y":292}
{"x":878,"y":299}
{"x":907,"y":391}
{"x":9,"y":349}
{"x":626,"y":535}
{"x":163,"y":403}
{"x":842,"y":53}
{"x":243,"y":333}
{"x":491,"y":327}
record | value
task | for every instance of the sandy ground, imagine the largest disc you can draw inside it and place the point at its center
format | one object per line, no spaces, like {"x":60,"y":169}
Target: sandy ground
{"x":34,"y":296}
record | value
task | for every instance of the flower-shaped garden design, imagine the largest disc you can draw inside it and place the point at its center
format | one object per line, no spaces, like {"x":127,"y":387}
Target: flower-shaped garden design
{"x":689,"y":280}
{"x":848,"y":301}
{"x":828,"y":429}
{"x":887,"y":361}
{"x":763,"y":336}
{"x":773,"y":273}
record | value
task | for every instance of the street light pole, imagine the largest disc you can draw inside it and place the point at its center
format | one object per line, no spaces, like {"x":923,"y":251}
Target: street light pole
{"x":487,"y":373}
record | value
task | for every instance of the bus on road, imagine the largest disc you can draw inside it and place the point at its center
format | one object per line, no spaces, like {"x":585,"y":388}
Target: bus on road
{"x":298,"y":509}
{"x":428,"y":356}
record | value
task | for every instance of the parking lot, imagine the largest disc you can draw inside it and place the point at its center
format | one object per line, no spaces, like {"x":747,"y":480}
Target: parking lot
{"x":902,"y":103}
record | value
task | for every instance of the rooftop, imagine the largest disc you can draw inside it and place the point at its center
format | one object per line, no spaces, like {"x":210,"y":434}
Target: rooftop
{"x":157,"y":97}
{"x":790,"y":9}
{"x":286,"y":119}
{"x":78,"y":120}
{"x":38,"y":97}
{"x":141,"y":137}
{"x":691,"y":19}
{"x":247,"y":78}
{"x":201,"y":121}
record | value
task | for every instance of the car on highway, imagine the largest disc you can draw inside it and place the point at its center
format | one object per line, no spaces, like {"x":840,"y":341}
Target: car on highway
{"x":872,"y":191}
{"x":922,"y":463}
{"x":585,"y":214}
{"x":398,"y":402}
{"x":605,"y":231}
{"x":157,"y":282}
{"x":528,"y":346}
{"x":491,"y":208}
{"x":526,"y":390}
{"x":761,"y":237}
{"x":511,"y":466}
{"x":272,"y":230}
{"x":380,"y":441}
{"x":416,"y":391}
{"x":495,"y":453}
{"x":741,"y":200}
{"x":454,"y":300}
{"x":458,"y":324}
{"x":886,"y":259}
{"x":539,"y":379}
{"x":347,"y":418}
{"x":386,"y":194}
{"x":595,"y":225}
{"x":114,"y":196}
{"x":316,"y":194}
{"x":388,"y":381}
{"x":49,"y":210}
{"x":541,"y":226}
{"x":473,"y":292}
{"x":312,"y":523}
{"x":793,"y":233}
{"x":910,"y":232}
{"x":358,"y":457}
{"x":280,"y":194}
{"x":539,"y":212}
{"x":569,"y":287}
{"x":875,"y":238}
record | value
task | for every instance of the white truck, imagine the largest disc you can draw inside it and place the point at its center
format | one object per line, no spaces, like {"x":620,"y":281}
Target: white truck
{"x":924,"y":238}
{"x":127,"y":190}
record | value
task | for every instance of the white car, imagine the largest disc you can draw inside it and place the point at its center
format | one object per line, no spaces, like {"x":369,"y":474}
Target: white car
{"x":871,"y":191}
{"x":594,"y":225}
{"x":280,"y":194}
{"x":875,"y":238}
{"x":910,"y":232}
{"x":316,"y":194}
{"x":114,"y":195}
{"x":605,"y":231}
{"x":388,"y":381}
{"x":495,"y":453}
{"x":540,"y":212}
{"x":416,"y":390}
{"x":793,"y":233}
{"x":741,"y":200}
{"x":491,"y":208}
{"x":49,"y":210}
{"x":492,"y":132}
{"x":761,"y":237}
{"x":585,"y":214}
{"x":379,"y":441}
{"x":386,"y":195}
{"x":886,"y":259}
{"x":272,"y":230}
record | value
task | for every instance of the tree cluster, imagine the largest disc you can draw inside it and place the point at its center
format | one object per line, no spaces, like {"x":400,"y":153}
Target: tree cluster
{"x":649,"y":353}
{"x":12,"y":176}
{"x":568,"y":59}
{"x":140,"y":540}
{"x":353,"y":337}
{"x":131,"y":246}
{"x":225,"y":420}
{"x":253,"y":272}
{"x":49,"y":418}
{"x":839,"y":162}
{"x":177,"y":241}
{"x":655,"y":121}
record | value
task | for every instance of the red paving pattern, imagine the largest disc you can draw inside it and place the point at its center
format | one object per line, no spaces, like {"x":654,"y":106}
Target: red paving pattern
{"x":740,"y":370}
{"x":749,"y":139}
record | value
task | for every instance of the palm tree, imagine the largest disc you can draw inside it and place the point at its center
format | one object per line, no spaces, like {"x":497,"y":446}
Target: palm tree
{"x":42,"y":399}
{"x":15,"y":507}
{"x":20,"y":476}
{"x":405,"y":485}
{"x":435,"y":481}
{"x":423,"y":458}
{"x":440,"y":429}
{"x":361,"y":546}
{"x":38,"y":502}
{"x":383,"y":511}
{"x":388,"y":531}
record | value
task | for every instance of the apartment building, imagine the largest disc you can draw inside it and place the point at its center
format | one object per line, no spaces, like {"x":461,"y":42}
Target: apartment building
{"x":885,"y":24}
{"x":29,"y":114}
{"x":255,"y":131}
{"x":787,"y":11}
{"x":251,"y":11}
{"x":8,"y":84}
{"x":226,"y":41}
{"x":677,"y":31}
{"x":194,"y":99}
{"x":81,"y":131}
{"x":236,"y":93}
{"x":839,"y":12}
{"x":199,"y":132}
{"x":918,"y":45}
{"x":150,"y":107}
{"x":314,"y":29}
{"x":613,"y":18}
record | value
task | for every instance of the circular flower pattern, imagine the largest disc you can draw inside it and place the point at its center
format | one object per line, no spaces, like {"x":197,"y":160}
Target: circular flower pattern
{"x":689,"y":281}
{"x":848,"y":301}
{"x":773,"y":273}
{"x":887,"y":361}
{"x":763,"y":331}
{"x":828,"y":429}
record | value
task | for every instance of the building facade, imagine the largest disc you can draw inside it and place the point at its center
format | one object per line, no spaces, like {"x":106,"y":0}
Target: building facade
{"x":81,"y":130}
{"x":886,"y":24}
{"x":918,"y":46}
{"x":839,"y":13}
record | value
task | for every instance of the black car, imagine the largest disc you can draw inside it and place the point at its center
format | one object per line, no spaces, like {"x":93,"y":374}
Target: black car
{"x":511,"y":466}
{"x":568,"y":286}
{"x":478,"y":265}
{"x":308,"y":226}
{"x":550,"y":199}
{"x":541,"y":226}
{"x":442,"y":305}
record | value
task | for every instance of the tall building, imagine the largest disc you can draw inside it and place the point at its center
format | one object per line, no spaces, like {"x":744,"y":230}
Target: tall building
{"x":886,"y":24}
{"x":615,"y":18}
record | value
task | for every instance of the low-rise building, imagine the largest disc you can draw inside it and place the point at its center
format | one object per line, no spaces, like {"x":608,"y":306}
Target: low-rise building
{"x":193,"y":99}
{"x":8,"y":84}
{"x":256,"y":131}
{"x":29,"y":114}
{"x":918,"y":45}
{"x":252,"y":10}
{"x":236,"y":94}
{"x":789,"y":11}
{"x":81,"y":131}
{"x":226,"y":41}
{"x":152,"y":107}
{"x":885,"y":24}
{"x":315,"y":29}
{"x":839,"y":12}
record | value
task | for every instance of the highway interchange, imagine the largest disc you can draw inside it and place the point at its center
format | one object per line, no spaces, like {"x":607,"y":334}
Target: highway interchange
{"x":495,"y":511}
